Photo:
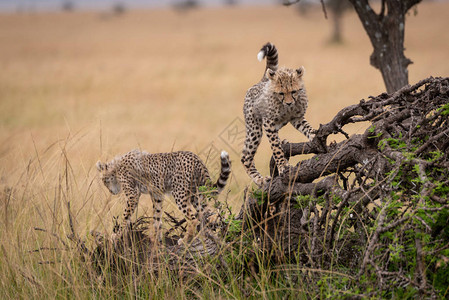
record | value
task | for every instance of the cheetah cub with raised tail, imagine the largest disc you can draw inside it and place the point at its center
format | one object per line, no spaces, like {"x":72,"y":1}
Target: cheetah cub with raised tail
{"x":179,"y":173}
{"x":279,"y":98}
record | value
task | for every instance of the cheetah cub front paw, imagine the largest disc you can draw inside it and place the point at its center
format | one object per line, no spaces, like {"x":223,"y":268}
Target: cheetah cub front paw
{"x":260,"y":182}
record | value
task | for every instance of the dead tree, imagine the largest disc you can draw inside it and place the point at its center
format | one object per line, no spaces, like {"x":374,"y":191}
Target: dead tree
{"x":339,"y":205}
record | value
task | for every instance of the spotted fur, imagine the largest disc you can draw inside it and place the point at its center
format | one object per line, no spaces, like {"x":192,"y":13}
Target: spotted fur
{"x":279,"y":98}
{"x":179,"y":173}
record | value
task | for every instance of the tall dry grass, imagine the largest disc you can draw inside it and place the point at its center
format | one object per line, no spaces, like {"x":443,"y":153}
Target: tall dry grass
{"x":79,"y":87}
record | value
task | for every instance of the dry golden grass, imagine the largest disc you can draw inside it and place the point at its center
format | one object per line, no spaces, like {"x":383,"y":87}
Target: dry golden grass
{"x":75,"y":88}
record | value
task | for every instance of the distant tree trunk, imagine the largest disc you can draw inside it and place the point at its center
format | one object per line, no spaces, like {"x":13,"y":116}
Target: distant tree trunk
{"x":336,"y":33}
{"x":230,"y":2}
{"x":337,"y":9}
{"x":68,"y":6}
{"x":386,"y":32}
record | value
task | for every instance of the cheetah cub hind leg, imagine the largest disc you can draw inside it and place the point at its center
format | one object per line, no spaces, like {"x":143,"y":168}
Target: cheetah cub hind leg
{"x":200,"y":200}
{"x":190,"y":232}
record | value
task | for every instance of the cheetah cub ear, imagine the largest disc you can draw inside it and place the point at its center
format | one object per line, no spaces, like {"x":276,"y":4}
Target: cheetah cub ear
{"x":101,"y":166}
{"x":300,"y":71}
{"x":270,"y":74}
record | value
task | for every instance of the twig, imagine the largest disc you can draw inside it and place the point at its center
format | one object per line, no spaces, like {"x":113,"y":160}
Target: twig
{"x":44,"y":248}
{"x":52,"y":234}
{"x":374,"y":238}
{"x":73,"y":236}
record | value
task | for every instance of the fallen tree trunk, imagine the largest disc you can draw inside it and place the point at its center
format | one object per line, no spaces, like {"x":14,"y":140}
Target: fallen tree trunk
{"x":412,"y":113}
{"x":338,"y":206}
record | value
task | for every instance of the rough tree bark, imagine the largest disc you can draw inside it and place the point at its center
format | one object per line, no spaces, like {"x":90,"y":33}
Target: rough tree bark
{"x":386,"y":33}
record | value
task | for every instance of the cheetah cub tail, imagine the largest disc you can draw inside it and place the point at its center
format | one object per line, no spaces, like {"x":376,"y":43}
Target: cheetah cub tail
{"x":270,"y":52}
{"x":224,"y":172}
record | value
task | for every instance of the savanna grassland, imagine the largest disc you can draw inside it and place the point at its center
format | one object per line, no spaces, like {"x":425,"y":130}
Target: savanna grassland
{"x":83,"y":86}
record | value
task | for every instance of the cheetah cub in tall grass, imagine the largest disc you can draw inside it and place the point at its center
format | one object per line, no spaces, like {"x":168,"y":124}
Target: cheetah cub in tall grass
{"x":279,"y":98}
{"x":179,"y":173}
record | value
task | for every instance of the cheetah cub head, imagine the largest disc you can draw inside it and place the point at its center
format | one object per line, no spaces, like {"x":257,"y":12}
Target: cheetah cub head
{"x":109,"y":177}
{"x":286,"y":84}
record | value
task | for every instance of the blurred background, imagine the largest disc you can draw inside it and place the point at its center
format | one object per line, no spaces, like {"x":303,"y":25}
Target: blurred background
{"x":87,"y":80}
{"x":46,"y":5}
